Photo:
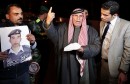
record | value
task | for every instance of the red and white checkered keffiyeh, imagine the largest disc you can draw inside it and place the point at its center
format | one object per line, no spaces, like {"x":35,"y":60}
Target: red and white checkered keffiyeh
{"x":83,"y":36}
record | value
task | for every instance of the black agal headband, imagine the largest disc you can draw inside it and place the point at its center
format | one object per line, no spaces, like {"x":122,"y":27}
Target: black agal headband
{"x":77,"y":11}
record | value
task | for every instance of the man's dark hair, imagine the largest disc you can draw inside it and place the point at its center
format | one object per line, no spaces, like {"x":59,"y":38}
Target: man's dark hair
{"x":43,"y":9}
{"x":112,"y":6}
{"x":9,"y":6}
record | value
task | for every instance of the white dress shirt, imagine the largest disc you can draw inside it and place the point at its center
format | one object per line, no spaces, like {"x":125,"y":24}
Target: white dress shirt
{"x":107,"y":40}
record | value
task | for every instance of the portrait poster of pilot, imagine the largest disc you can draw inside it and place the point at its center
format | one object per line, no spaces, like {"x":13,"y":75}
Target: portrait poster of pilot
{"x":15,"y":43}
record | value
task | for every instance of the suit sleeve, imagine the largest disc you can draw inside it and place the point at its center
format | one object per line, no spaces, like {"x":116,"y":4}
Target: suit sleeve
{"x":52,"y":32}
{"x":125,"y":60}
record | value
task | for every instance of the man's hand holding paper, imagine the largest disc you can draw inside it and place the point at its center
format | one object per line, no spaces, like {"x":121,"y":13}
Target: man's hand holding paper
{"x":72,"y":46}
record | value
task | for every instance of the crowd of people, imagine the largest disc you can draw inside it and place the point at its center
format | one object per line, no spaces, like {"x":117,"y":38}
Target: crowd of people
{"x":82,"y":54}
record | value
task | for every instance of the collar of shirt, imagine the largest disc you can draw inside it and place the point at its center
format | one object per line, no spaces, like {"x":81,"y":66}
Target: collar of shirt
{"x":113,"y":21}
{"x":20,"y":49}
{"x":112,"y":24}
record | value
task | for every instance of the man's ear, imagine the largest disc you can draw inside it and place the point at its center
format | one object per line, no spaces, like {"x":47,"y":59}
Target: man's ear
{"x":7,"y":16}
{"x":115,"y":15}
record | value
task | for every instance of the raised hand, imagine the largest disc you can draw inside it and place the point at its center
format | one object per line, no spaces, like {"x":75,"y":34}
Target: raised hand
{"x":50,"y":16}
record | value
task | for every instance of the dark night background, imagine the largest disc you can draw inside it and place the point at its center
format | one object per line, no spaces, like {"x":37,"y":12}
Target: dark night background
{"x":63,"y":8}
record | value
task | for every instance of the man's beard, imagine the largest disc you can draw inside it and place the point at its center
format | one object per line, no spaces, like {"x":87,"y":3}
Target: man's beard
{"x":20,"y":21}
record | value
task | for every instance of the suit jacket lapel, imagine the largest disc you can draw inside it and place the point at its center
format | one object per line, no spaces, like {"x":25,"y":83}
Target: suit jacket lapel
{"x":115,"y":31}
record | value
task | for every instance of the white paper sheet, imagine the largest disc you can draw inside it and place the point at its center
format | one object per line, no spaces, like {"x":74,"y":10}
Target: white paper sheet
{"x":72,"y":46}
